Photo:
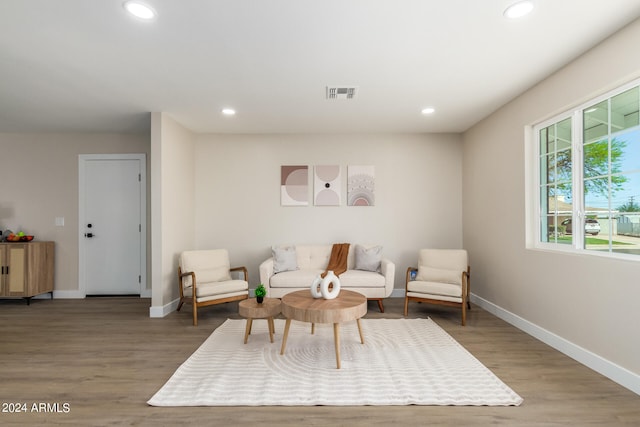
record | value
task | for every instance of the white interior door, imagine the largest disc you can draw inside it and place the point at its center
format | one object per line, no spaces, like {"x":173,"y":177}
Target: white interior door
{"x":112,"y":260}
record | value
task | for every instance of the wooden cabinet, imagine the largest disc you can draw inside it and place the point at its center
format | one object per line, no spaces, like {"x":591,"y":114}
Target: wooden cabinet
{"x":27,"y":269}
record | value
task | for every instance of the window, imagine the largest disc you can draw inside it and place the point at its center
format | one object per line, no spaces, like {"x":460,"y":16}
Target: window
{"x":588,"y":176}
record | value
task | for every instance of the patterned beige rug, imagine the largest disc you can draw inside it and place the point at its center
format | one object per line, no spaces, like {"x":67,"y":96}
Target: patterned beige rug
{"x":402,"y":362}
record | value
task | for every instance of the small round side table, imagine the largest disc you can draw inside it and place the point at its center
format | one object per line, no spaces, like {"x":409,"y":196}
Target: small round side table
{"x":250,"y":309}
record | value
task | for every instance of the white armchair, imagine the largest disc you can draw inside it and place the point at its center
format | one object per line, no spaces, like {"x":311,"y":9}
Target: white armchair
{"x":204,"y":278}
{"x":442,"y":278}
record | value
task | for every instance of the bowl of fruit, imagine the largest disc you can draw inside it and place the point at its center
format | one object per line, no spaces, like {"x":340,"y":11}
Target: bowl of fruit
{"x":20,"y":236}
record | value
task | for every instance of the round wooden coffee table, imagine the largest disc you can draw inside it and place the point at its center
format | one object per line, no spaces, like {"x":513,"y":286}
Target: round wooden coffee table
{"x":250,"y":309}
{"x":301,"y":306}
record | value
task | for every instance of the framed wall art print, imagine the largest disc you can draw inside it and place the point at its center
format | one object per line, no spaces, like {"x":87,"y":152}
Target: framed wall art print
{"x":327,"y":185}
{"x":360,"y":186}
{"x":294,"y":185}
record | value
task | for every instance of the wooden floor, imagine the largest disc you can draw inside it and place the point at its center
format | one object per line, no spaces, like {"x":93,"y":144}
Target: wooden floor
{"x":101,"y":359}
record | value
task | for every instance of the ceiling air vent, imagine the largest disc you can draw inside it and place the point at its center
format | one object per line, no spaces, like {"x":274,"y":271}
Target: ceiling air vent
{"x":341,"y":92}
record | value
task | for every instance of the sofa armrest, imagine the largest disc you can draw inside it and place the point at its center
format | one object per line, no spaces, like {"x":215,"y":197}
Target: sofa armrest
{"x":388,"y":270}
{"x":266,"y":271}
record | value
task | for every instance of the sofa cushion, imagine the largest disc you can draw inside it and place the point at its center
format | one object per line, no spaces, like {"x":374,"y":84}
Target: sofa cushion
{"x":348,"y":279}
{"x":367,"y":259}
{"x":294,"y":279}
{"x":362,"y":279}
{"x":313,"y":256}
{"x":284,"y":258}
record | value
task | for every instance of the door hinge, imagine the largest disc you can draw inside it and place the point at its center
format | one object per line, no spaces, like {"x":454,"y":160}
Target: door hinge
{"x":139,"y":177}
{"x":139,"y":279}
{"x":139,"y":228}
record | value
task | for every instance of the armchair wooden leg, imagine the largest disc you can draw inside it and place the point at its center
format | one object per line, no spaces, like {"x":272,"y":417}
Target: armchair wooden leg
{"x":195,"y":314}
{"x":180,"y":305}
{"x":464,"y":314}
{"x":406,"y":306}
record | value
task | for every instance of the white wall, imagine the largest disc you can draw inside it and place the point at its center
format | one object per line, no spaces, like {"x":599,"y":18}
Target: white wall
{"x":39,"y":182}
{"x":172,"y":201}
{"x":586,"y":303}
{"x":417,"y":191}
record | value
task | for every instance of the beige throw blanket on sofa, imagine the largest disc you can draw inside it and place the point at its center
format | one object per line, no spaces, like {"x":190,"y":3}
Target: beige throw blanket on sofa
{"x":338,"y":259}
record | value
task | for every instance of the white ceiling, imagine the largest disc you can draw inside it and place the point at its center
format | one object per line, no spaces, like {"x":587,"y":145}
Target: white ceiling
{"x":87,"y":66}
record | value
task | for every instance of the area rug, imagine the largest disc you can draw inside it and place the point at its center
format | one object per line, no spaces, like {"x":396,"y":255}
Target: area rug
{"x":402,"y":362}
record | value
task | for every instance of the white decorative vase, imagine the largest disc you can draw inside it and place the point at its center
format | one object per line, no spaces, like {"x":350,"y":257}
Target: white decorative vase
{"x":320,"y":286}
{"x":315,"y":287}
{"x":324,"y":286}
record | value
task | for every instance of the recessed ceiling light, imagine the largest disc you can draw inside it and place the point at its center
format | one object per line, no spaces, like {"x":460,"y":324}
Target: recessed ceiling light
{"x":228,"y":111}
{"x":428,"y":110}
{"x":518,"y":9}
{"x":140,"y":10}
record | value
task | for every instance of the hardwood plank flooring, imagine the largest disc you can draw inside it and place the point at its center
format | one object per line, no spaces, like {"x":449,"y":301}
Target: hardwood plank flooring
{"x":104,"y":358}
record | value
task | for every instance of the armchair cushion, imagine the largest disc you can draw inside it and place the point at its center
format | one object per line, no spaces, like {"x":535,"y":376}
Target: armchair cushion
{"x":284,"y":258}
{"x":368,"y":259}
{"x":217,"y":288}
{"x":208,"y":265}
{"x":448,"y":259}
{"x":434,"y":288}
{"x":431,"y":274}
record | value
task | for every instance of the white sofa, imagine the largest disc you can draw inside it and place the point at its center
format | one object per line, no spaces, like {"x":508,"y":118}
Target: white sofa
{"x":307,"y":261}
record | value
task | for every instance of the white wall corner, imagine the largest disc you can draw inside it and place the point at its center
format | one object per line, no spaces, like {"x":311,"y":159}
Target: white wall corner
{"x":397,"y":293}
{"x":614,"y":372}
{"x":164,"y":310}
{"x":529,"y":185}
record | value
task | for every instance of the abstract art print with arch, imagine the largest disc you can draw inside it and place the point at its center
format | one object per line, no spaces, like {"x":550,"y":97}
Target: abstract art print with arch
{"x":360,"y":186}
{"x":327,"y":186}
{"x":294,"y":185}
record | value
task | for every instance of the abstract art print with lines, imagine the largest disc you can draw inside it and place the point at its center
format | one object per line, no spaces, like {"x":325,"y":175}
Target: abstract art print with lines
{"x":360,"y":186}
{"x":294,"y":185}
{"x":327,"y":186}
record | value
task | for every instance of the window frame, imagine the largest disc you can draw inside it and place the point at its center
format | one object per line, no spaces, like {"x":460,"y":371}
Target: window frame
{"x":533,"y":192}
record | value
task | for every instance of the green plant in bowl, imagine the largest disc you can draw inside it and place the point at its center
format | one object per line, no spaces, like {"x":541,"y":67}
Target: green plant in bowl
{"x":260,"y":292}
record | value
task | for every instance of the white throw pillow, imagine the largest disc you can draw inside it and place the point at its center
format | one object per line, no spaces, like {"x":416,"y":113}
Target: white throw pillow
{"x":368,"y":259}
{"x":430,"y":274}
{"x":284,"y":259}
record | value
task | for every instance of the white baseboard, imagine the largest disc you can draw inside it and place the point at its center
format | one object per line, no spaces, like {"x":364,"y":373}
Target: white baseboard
{"x":397,"y":293}
{"x":75,"y":294}
{"x":614,"y":372}
{"x":163,"y":310}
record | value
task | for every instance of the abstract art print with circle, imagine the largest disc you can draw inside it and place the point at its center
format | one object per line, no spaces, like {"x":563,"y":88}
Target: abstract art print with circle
{"x":360,"y":186}
{"x":294,"y":185}
{"x":327,"y":186}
